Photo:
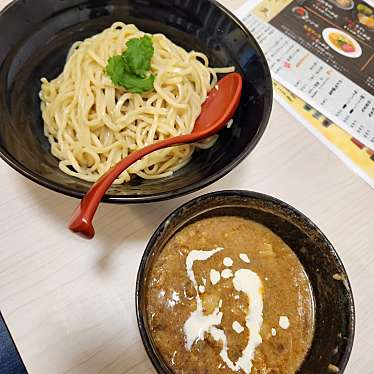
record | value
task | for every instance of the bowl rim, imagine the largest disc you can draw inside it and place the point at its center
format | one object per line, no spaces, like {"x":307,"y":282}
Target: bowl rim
{"x":149,"y":347}
{"x":136,"y":199}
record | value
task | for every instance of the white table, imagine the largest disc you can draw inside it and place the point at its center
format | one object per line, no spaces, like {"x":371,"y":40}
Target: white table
{"x":69,"y":303}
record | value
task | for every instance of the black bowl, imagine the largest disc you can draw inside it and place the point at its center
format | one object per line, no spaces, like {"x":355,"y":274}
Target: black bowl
{"x":34,"y":40}
{"x":334,"y":306}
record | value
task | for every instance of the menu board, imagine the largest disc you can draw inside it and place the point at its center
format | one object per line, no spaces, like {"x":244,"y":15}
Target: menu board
{"x":322,"y":51}
{"x":331,"y":30}
{"x":353,"y":153}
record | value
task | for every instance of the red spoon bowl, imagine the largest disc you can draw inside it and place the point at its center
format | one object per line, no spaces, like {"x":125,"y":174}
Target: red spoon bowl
{"x":220,"y":106}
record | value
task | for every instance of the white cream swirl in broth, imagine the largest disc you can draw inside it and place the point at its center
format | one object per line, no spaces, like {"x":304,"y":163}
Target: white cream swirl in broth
{"x":198,"y":323}
{"x":244,"y":280}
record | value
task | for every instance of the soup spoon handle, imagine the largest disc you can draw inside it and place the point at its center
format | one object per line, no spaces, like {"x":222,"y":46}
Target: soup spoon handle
{"x":218,"y":108}
{"x":81,"y":221}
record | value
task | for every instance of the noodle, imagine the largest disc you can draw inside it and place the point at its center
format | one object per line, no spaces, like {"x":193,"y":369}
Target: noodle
{"x":92,"y":124}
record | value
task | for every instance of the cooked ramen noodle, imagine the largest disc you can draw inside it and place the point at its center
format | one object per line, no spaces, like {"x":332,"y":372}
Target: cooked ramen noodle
{"x":92,"y":123}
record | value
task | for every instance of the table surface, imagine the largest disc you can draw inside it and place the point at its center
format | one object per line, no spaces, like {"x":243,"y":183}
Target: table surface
{"x":69,"y":303}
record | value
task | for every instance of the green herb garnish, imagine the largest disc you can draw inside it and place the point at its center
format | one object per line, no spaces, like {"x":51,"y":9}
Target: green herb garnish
{"x":131,"y":69}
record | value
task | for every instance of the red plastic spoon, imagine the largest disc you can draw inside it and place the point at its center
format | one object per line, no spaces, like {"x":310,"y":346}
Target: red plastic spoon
{"x":218,"y":109}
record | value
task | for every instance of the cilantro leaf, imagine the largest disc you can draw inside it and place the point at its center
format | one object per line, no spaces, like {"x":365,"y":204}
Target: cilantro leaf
{"x":115,"y":68}
{"x":136,"y":84}
{"x":138,"y":55}
{"x":131,"y":69}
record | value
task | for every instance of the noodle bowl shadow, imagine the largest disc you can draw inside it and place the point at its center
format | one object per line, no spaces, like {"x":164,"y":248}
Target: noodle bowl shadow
{"x":334,"y":319}
{"x":34,"y":41}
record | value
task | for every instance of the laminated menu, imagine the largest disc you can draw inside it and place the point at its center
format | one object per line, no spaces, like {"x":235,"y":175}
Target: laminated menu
{"x":352,"y":152}
{"x":323,"y":52}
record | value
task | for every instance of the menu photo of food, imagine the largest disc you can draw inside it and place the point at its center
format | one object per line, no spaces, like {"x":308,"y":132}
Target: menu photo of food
{"x":362,"y":12}
{"x":365,"y":15}
{"x":343,"y":4}
{"x":341,"y":42}
{"x":339,"y":32}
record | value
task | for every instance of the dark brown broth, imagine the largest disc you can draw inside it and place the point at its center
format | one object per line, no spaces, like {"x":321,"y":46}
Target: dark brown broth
{"x":286,"y":292}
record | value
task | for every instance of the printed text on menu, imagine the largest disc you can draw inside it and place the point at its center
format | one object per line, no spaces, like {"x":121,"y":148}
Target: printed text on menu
{"x":315,"y":81}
